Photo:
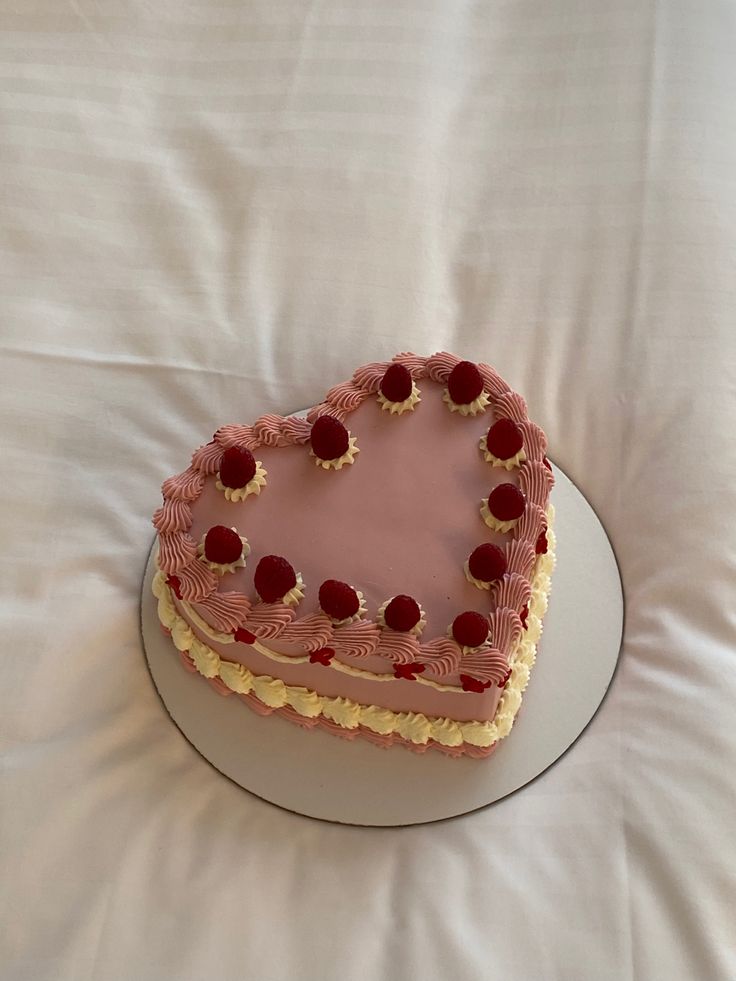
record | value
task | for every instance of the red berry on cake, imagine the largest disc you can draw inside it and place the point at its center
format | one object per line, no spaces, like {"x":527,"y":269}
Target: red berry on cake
{"x":541,"y":545}
{"x":332,"y":446}
{"x":338,"y":600}
{"x":504,"y":439}
{"x":470,"y":629}
{"x":402,"y":613}
{"x":329,"y":438}
{"x":465,"y":383}
{"x":487,"y":563}
{"x":274,"y":578}
{"x":523,"y":616}
{"x":175,"y":584}
{"x":237,"y":467}
{"x":396,"y":384}
{"x":506,"y":502}
{"x":222,"y":545}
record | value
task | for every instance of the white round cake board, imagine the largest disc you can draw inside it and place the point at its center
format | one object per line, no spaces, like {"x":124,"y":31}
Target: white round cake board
{"x":354,"y":782}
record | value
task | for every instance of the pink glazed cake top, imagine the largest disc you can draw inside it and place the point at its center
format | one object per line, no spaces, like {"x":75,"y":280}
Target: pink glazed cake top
{"x":401,"y":517}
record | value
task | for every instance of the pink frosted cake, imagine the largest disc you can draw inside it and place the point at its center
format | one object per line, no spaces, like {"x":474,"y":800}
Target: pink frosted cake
{"x":379,"y":569}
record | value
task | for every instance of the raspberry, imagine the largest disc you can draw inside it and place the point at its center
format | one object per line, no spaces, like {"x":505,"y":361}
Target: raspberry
{"x":329,"y":438}
{"x":244,"y":636}
{"x":504,"y":439}
{"x":402,"y":613}
{"x":506,"y":502}
{"x":175,"y":583}
{"x":409,"y":671}
{"x":524,"y":615}
{"x":338,"y":600}
{"x":396,"y":383}
{"x":237,"y":467}
{"x":541,"y":546}
{"x":487,"y":563}
{"x":465,"y":383}
{"x":470,"y":629}
{"x":323,"y":656}
{"x":222,"y":545}
{"x":472,"y":684}
{"x":274,"y":578}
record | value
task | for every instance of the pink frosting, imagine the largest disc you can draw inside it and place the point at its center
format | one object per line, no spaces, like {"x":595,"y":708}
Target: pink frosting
{"x":173,"y":516}
{"x":358,"y":639}
{"x":492,"y":382}
{"x":536,"y":481}
{"x":440,"y":365}
{"x":369,"y":376}
{"x":346,"y":397}
{"x":535,"y":442}
{"x":311,"y":632}
{"x":267,"y":620}
{"x":442,"y":655}
{"x":513,"y":591}
{"x":175,"y":551}
{"x":530,"y":524}
{"x":519,"y":558}
{"x":196,"y":581}
{"x":415,"y":365}
{"x":510,"y":405}
{"x":186,"y":486}
{"x":236,"y":436}
{"x":269,"y":431}
{"x":326,"y":409}
{"x":399,"y":647}
{"x":296,"y":430}
{"x":505,"y":629}
{"x":224,"y":611}
{"x":207,"y":458}
{"x":486,"y":665}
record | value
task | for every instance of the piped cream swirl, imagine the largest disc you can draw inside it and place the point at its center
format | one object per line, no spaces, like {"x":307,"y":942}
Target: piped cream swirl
{"x":478,"y":405}
{"x":494,"y":523}
{"x":399,"y":408}
{"x":509,"y":464}
{"x":346,"y":459}
{"x":254,"y":485}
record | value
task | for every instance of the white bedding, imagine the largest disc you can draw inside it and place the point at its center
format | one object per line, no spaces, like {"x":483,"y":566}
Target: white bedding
{"x":211,"y":210}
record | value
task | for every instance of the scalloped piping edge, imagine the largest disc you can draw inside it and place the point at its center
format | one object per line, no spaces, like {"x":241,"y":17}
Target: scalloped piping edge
{"x":412,"y":727}
{"x":544,"y":564}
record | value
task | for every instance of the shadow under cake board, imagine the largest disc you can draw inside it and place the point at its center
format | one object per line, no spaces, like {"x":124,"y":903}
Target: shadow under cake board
{"x":354,"y":782}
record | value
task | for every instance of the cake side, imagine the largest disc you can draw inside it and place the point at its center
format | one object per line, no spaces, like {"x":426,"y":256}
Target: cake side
{"x":343,"y":716}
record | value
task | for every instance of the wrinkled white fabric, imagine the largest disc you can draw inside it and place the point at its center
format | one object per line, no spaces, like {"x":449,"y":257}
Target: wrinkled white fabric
{"x":212,"y":210}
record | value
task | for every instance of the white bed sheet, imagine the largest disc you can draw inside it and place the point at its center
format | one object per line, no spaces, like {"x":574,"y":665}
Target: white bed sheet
{"x":210,"y":210}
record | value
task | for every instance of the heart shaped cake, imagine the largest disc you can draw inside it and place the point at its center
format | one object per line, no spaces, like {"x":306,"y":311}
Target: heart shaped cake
{"x":379,"y":569}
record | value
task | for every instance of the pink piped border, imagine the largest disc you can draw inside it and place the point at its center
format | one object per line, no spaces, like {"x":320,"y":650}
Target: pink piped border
{"x":441,"y":654}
